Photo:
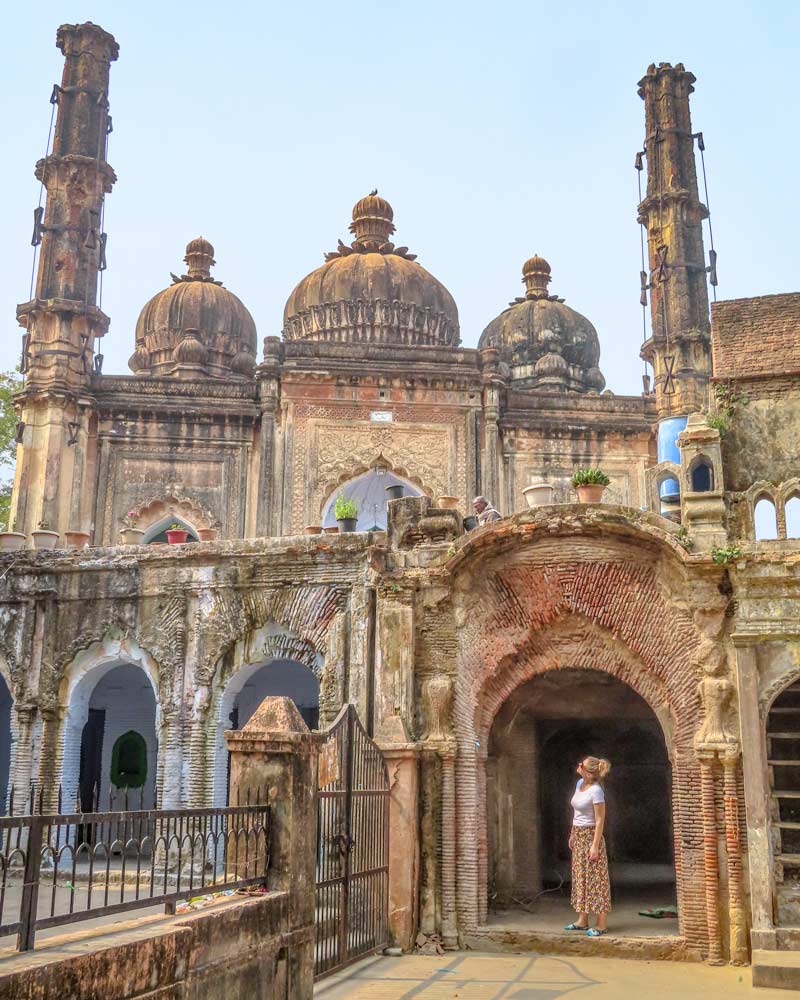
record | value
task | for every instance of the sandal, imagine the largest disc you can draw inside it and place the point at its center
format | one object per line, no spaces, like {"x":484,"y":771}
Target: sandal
{"x":594,"y":932}
{"x":575,"y":927}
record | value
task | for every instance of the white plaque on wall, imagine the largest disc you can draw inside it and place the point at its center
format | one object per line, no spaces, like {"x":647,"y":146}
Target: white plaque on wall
{"x":381,"y":416}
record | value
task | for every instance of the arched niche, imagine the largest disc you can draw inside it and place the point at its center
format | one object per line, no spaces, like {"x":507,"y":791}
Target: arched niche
{"x":701,"y":474}
{"x":156,"y":534}
{"x":368,"y":490}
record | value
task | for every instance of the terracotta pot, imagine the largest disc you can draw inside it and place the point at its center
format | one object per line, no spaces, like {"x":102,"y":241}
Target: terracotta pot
{"x":43,"y":538}
{"x":313,"y":529}
{"x":451,"y":503}
{"x":177,"y":536}
{"x":11,"y":541}
{"x":538,"y":494}
{"x":589,"y":493}
{"x":331,"y":530}
{"x":347,"y":523}
{"x":76,"y":539}
{"x":131,"y":536}
{"x":206,"y":534}
{"x":394,"y":492}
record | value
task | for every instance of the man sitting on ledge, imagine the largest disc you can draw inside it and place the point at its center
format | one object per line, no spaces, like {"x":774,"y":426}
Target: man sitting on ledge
{"x":486,"y":513}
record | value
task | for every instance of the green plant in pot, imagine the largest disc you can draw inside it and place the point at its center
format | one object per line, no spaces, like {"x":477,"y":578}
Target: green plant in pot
{"x":589,"y":484}
{"x":346,"y":513}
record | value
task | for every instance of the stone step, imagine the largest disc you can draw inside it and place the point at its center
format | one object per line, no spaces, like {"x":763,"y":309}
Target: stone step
{"x":778,"y":970}
{"x":788,"y":938}
{"x":780,"y":793}
{"x":786,"y":824}
{"x":784,"y":736}
{"x":784,"y":763}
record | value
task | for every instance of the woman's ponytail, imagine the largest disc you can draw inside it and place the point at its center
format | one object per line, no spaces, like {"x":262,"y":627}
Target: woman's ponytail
{"x":598,"y":767}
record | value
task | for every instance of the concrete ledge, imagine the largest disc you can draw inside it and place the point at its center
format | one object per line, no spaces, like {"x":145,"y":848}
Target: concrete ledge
{"x":779,"y":970}
{"x":226,"y":952}
{"x":667,"y":948}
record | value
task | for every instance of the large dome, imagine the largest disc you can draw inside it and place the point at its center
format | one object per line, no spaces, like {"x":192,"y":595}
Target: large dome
{"x":195,"y":327}
{"x":372,"y":291}
{"x":544,"y":342}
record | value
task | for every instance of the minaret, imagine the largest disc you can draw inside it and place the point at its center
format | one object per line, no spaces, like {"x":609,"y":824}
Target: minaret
{"x":679,"y":348}
{"x":62,"y":321}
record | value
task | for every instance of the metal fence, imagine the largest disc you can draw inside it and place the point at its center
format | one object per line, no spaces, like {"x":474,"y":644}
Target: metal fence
{"x":62,"y":868}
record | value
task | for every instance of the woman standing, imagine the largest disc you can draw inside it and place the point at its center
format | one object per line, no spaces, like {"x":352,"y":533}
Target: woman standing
{"x":591,"y":888}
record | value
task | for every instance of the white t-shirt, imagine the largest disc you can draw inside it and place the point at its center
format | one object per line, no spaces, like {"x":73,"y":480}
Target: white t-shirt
{"x":583,"y":803}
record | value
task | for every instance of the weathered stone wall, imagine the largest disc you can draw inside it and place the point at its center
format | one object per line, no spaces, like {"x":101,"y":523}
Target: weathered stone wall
{"x":235,"y":951}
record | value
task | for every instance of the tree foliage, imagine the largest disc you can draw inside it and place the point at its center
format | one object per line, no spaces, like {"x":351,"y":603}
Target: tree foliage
{"x":10,"y":385}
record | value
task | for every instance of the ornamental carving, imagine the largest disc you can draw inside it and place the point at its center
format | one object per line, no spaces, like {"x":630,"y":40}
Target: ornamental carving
{"x":427,"y":456}
{"x":437,"y":696}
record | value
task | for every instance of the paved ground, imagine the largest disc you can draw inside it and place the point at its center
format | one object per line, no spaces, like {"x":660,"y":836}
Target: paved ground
{"x":472,"y":976}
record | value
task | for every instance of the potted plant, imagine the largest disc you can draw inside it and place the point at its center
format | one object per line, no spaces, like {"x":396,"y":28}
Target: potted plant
{"x":394,"y":492}
{"x":538,"y":494}
{"x":130,"y":534}
{"x":43,"y":537}
{"x":177,"y":534}
{"x":76,"y":539}
{"x":11,"y":540}
{"x":589,"y":484}
{"x":346,"y":513}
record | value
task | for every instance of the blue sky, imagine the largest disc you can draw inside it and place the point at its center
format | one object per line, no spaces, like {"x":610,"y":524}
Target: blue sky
{"x":495,"y":131}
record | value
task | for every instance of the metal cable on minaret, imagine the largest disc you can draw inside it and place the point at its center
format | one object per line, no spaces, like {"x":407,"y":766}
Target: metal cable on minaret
{"x":712,"y":253}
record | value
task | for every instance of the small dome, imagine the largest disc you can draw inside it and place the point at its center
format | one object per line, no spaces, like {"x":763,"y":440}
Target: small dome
{"x":372,"y":291}
{"x":550,"y":365}
{"x":544,"y":342}
{"x":190,"y":351}
{"x":194,"y":322}
{"x":244,"y":363}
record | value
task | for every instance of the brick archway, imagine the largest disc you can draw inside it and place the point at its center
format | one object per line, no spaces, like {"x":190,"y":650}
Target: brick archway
{"x":616,"y":605}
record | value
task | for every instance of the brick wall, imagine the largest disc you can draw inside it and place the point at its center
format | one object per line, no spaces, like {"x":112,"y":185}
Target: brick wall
{"x":756,"y":337}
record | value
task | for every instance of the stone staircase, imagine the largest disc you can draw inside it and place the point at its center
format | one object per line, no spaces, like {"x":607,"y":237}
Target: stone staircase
{"x":779,"y":969}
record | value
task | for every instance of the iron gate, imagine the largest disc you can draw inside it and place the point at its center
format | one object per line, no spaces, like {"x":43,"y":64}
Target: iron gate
{"x":352,"y":900}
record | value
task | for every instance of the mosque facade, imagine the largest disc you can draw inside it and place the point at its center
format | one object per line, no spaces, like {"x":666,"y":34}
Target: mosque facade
{"x":659,"y":627}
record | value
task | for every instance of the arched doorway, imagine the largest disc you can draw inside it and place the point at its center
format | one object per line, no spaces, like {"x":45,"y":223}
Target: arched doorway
{"x":245,"y":691}
{"x":539,"y":734}
{"x":110,"y":743}
{"x":156,"y":534}
{"x":369,"y":491}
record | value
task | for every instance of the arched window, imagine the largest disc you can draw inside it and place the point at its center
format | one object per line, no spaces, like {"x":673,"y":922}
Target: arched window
{"x":764,"y":520}
{"x":702,"y":475}
{"x":129,"y":761}
{"x":670,"y":493}
{"x":792,"y":510}
{"x":369,"y":491}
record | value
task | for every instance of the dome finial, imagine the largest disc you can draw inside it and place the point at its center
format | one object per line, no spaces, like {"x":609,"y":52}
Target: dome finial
{"x":200,"y":258}
{"x":372,"y":219}
{"x":536,"y":277}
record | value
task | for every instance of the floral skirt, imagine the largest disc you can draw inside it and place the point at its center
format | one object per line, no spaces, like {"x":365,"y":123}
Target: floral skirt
{"x":591,"y":888}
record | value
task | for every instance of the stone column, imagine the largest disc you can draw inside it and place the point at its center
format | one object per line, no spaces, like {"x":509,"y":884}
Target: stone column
{"x":21,"y":772}
{"x":756,"y":796}
{"x":394,"y":664}
{"x":275,"y":751}
{"x":710,"y":856}
{"x":430,"y":821}
{"x":736,"y":911}
{"x":402,"y":760}
{"x":448,"y":848}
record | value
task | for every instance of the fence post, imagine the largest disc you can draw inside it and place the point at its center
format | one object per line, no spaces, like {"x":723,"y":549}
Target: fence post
{"x":276,"y":751}
{"x":30,"y":886}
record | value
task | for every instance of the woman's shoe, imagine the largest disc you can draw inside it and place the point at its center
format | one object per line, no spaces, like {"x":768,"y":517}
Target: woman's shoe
{"x":594,"y":932}
{"x":575,"y":927}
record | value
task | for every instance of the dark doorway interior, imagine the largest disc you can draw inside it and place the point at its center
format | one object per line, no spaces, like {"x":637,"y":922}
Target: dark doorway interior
{"x":91,"y":759}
